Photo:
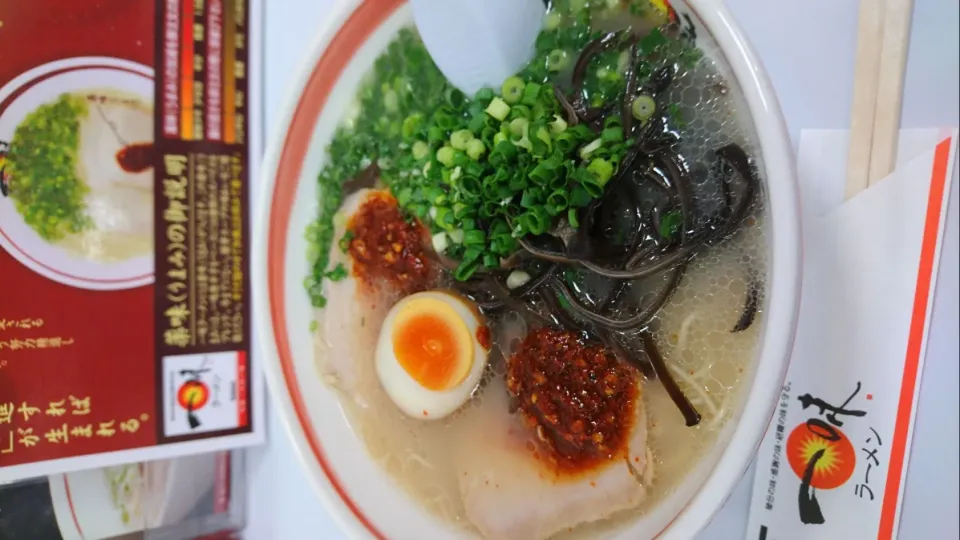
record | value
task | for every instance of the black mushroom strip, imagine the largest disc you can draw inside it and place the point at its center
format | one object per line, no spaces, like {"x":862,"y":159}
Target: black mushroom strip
{"x":689,"y":412}
{"x":568,"y":109}
{"x":595,"y":47}
{"x":644,"y":314}
{"x":751,"y":304}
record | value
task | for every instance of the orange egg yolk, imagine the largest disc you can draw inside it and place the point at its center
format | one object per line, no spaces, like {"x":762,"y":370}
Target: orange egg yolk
{"x":432,"y":344}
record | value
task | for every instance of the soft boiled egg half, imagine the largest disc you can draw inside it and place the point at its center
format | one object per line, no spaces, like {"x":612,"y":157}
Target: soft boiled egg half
{"x":430,"y":355}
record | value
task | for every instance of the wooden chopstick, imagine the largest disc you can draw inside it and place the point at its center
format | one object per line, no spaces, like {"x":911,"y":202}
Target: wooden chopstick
{"x":883,"y":35}
{"x":866,"y":73}
{"x":889,"y":102}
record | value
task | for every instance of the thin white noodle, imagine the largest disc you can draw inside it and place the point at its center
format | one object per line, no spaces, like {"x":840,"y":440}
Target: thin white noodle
{"x":436,"y":496}
{"x":720,"y":416}
{"x":648,"y":472}
{"x":698,"y":388}
{"x":688,"y":358}
{"x":698,"y":375}
{"x":685,"y":331}
{"x":682,"y":350}
{"x":419,"y":459}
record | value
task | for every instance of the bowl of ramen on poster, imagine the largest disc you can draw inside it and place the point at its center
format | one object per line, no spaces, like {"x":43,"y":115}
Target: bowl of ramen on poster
{"x":561,"y":307}
{"x":76,"y":176}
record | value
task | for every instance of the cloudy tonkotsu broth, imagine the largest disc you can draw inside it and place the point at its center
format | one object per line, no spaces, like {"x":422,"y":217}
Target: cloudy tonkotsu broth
{"x":659,"y":286}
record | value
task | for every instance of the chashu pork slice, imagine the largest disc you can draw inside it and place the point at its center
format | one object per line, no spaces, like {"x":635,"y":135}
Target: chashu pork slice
{"x":349,"y":324}
{"x":509,"y":494}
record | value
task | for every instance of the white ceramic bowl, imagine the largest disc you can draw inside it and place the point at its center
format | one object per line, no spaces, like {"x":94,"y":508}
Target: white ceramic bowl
{"x":357,"y":492}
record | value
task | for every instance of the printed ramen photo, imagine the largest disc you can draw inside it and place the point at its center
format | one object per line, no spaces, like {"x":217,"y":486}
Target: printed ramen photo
{"x":539,"y":307}
{"x":79,"y":172}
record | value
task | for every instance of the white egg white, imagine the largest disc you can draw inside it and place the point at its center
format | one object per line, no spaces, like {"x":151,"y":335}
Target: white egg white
{"x":412,"y":398}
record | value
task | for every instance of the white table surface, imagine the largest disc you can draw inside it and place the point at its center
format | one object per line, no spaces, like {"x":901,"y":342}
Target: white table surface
{"x":808,"y":49}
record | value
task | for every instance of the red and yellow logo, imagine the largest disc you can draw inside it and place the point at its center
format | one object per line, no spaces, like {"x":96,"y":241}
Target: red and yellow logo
{"x":833,"y":467}
{"x":193,"y":395}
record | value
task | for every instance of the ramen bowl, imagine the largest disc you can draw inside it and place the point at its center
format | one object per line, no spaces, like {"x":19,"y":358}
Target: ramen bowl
{"x":364,"y":499}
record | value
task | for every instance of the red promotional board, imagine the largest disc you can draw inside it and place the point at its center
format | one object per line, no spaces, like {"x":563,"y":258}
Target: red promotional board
{"x":124,"y":232}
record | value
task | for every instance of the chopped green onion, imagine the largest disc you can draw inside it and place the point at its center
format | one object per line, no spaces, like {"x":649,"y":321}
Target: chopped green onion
{"x":345,"y":241}
{"x":518,"y":127}
{"x":512,"y":90}
{"x":455,"y":98}
{"x":460,"y":138}
{"x":410,"y":125}
{"x":558,"y":126}
{"x":558,"y":60}
{"x":435,"y":134}
{"x":520,"y":111}
{"x":338,"y":273}
{"x":643,"y":107}
{"x":565,"y":141}
{"x":590,"y":148}
{"x":535,"y":221}
{"x":439,"y":242}
{"x":579,"y":197}
{"x":572,"y":218}
{"x":472,"y":253}
{"x":531,"y":92}
{"x":612,"y":121}
{"x":670,"y":224}
{"x":517,"y":278}
{"x":457,"y":236}
{"x":420,"y":150}
{"x":445,"y":156}
{"x":602,"y":169}
{"x":476,"y":149}
{"x":390,"y":101}
{"x":557,"y":202}
{"x":524,"y":143}
{"x":466,"y":269}
{"x":553,"y":20}
{"x":651,"y":41}
{"x":339,"y":219}
{"x":434,"y":195}
{"x":676,"y":115}
{"x":474,"y":237}
{"x":404,"y":196}
{"x":484,"y":94}
{"x":612,"y":134}
{"x":477,"y":123}
{"x":498,"y":109}
{"x":530,"y":197}
{"x":544,"y":136}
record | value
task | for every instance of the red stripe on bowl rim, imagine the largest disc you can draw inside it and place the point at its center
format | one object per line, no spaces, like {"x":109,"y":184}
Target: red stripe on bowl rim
{"x":359,"y":26}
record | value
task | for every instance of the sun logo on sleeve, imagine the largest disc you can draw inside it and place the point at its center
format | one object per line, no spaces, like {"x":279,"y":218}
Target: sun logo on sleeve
{"x":832,"y":456}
